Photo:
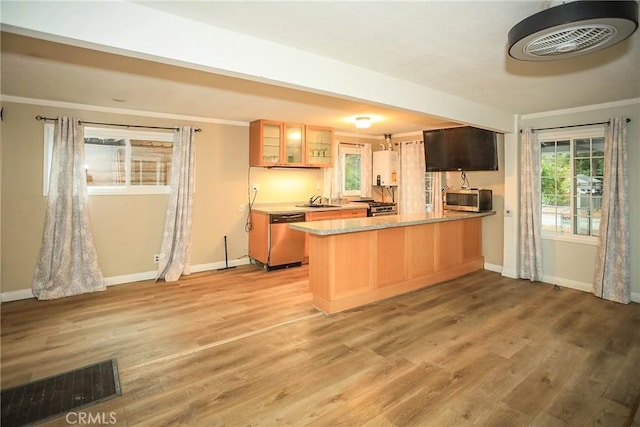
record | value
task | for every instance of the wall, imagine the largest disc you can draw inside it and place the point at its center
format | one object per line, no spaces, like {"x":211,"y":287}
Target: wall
{"x":285,"y":185}
{"x":572,"y":264}
{"x":127,"y":229}
{"x":492,"y":226}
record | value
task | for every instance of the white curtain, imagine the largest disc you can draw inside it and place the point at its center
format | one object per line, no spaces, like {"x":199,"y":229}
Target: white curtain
{"x":68,"y":262}
{"x":612,"y":277}
{"x":365,"y":170}
{"x":436,"y":193}
{"x":530,"y":227}
{"x":176,"y":240}
{"x":332,"y":177}
{"x":412,"y":182}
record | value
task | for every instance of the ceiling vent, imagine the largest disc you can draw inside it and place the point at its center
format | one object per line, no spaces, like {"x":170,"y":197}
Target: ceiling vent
{"x":573,"y":29}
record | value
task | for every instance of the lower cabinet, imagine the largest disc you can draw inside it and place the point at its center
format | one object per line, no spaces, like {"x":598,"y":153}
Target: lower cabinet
{"x":259,"y":237}
{"x":322,"y":215}
{"x":356,"y":268}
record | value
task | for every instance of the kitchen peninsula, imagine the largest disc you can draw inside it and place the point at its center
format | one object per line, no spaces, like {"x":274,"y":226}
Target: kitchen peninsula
{"x":353,"y":262}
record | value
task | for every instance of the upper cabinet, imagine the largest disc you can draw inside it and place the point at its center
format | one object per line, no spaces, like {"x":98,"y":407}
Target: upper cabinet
{"x":273,"y":143}
{"x":319,"y":146}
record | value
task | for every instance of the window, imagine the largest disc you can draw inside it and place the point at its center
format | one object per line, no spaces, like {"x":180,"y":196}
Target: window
{"x":428,"y":191}
{"x":351,"y":171}
{"x":122,"y":161}
{"x":572,"y":174}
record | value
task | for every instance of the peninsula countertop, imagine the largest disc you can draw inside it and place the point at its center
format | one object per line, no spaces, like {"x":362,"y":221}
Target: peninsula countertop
{"x":293,"y":207}
{"x":352,"y":225}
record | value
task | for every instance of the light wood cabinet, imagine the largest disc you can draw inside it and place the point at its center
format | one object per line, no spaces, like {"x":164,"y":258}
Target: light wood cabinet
{"x":356,"y":268}
{"x":273,"y":143}
{"x":319,"y":146}
{"x":259,"y":237}
{"x":338,"y":214}
{"x":322,"y":215}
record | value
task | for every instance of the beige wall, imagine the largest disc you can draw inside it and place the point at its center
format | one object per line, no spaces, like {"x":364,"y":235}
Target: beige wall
{"x":492,"y":226}
{"x":286,"y":185}
{"x":574,"y":263}
{"x":127,"y":229}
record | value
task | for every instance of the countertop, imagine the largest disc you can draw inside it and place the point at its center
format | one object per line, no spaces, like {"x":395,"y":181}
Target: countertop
{"x":282,"y":208}
{"x":352,"y":225}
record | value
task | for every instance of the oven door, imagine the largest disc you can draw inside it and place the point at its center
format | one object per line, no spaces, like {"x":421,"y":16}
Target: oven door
{"x":380,"y":212}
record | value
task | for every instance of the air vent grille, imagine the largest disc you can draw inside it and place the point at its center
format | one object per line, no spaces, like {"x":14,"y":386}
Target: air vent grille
{"x":567,"y":40}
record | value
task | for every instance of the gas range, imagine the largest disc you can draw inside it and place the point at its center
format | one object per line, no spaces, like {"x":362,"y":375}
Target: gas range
{"x":381,"y":208}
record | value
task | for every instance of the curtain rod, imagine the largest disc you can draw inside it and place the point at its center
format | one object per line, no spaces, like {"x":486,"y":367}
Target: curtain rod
{"x":114,"y":124}
{"x":574,"y":126}
{"x":351,"y":143}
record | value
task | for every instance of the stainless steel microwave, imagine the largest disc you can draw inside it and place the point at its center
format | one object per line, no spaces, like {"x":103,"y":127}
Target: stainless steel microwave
{"x":470,"y":200}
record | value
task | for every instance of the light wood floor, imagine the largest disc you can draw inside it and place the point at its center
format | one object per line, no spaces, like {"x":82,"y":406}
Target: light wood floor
{"x":243,"y":347}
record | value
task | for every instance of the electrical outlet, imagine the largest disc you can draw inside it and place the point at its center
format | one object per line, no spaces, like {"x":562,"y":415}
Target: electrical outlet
{"x":156,"y":258}
{"x":255,"y":187}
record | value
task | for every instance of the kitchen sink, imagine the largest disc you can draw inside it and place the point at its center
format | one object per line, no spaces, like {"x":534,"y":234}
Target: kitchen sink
{"x":313,"y":205}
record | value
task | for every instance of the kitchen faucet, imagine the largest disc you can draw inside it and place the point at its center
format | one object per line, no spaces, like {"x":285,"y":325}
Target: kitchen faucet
{"x":314,"y":199}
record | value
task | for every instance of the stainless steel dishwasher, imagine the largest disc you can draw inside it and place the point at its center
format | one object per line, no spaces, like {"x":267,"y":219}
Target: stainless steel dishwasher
{"x":286,"y":246}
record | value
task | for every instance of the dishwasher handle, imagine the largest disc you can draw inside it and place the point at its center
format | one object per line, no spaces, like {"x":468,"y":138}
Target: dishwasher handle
{"x":286,"y":218}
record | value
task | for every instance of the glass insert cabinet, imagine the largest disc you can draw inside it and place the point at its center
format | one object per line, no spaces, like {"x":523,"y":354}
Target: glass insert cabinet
{"x":274,"y":143}
{"x":319,"y":146}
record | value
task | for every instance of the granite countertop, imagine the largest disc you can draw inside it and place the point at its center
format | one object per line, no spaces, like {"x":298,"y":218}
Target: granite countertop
{"x":293,"y":207}
{"x":352,"y":225}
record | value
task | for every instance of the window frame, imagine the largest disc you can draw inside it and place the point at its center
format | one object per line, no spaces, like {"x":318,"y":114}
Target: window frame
{"x":572,"y":134}
{"x":108,"y":132}
{"x":343,"y":153}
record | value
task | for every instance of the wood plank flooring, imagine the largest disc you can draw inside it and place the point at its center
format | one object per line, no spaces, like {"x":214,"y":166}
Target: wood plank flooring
{"x":244,"y":347}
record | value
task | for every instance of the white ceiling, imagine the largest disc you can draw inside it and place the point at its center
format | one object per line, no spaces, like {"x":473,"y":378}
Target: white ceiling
{"x":457,"y":47}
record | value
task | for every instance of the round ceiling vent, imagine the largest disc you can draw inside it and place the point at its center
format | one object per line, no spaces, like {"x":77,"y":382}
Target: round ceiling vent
{"x":573,"y":29}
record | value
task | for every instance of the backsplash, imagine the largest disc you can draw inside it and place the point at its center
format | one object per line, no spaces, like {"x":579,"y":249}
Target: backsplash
{"x":285,"y":185}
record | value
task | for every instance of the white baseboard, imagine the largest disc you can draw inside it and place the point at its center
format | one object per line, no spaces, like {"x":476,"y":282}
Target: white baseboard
{"x":128,"y":278}
{"x":149,"y":275}
{"x":16,"y":295}
{"x":493,"y":267}
{"x":513,"y":274}
{"x":567,"y":283}
{"x":580,"y":286}
{"x":218,"y":265}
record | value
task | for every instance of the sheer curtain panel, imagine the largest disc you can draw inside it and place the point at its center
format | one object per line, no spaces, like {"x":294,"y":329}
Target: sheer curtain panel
{"x":530,"y":227}
{"x":176,"y":240}
{"x":332,"y":176}
{"x":365,"y":170}
{"x":436,"y":193}
{"x":68,"y":262}
{"x":412,"y":182}
{"x":612,"y":277}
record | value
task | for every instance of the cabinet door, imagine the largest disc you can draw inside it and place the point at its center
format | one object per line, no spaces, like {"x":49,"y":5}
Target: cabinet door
{"x":322,"y":215}
{"x":258,"y":237}
{"x":354,"y":213}
{"x":319,"y":146}
{"x":265,"y":143}
{"x":294,"y":138}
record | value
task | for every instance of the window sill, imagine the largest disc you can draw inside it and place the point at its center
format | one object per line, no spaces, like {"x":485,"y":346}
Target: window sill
{"x":570,"y":238}
{"x":124,"y":191}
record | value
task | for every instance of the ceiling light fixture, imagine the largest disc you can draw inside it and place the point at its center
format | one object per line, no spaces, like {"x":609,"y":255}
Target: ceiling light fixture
{"x":572,"y":29}
{"x":363,"y":122}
